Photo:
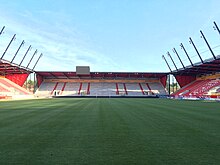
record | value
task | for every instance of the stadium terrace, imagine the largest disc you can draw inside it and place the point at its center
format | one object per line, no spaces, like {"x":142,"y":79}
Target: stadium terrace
{"x":198,"y":80}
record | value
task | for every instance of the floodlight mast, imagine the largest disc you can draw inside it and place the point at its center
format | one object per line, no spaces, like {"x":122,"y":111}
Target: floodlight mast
{"x":208,"y":44}
{"x":25,"y":55}
{"x":168,"y":53}
{"x":191,"y":42}
{"x":22,"y":43}
{"x":37,"y":61}
{"x":181,"y":45}
{"x":166,"y":62}
{"x":216,"y":27}
{"x":32,"y":58}
{"x":2,"y":30}
{"x":174,"y":50}
{"x":13,"y":38}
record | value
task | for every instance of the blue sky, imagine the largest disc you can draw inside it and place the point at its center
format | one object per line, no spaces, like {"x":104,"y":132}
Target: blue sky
{"x":108,"y":35}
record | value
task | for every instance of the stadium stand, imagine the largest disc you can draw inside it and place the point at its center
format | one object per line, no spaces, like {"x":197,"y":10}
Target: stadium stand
{"x":199,"y":80}
{"x":84,"y":88}
{"x":99,"y":84}
{"x":12,"y":78}
{"x":63,"y":88}
{"x":156,"y":88}
{"x":70,"y":89}
{"x":134,"y":89}
{"x":46,"y":89}
{"x":14,"y":88}
{"x":98,"y":87}
{"x":4,"y":91}
{"x":102,"y":89}
{"x":4,"y":88}
{"x":198,"y":88}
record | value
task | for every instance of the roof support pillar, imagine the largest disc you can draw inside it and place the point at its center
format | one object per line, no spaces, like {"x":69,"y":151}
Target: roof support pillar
{"x":191,"y":42}
{"x":13,"y":38}
{"x":166,"y":62}
{"x":25,"y":55}
{"x":37,"y":60}
{"x":22,"y":43}
{"x":174,"y":50}
{"x":182,"y":47}
{"x":168,"y":53}
{"x":207,"y":44}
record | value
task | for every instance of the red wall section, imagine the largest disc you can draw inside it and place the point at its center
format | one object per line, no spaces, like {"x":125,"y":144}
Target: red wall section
{"x":18,"y":78}
{"x":163,"y":80}
{"x":39,"y":80}
{"x":184,"y":80}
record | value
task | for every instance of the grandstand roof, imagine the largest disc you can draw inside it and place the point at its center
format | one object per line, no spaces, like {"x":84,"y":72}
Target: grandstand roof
{"x":208,"y":66}
{"x":110,"y":75}
{"x":7,"y":68}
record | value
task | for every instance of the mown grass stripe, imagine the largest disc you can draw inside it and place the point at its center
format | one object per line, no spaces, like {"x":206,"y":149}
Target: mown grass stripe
{"x":109,"y":131}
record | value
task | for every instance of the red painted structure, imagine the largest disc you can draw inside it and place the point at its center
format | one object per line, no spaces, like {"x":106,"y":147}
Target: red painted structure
{"x":80,"y":87}
{"x":55,"y":87}
{"x":64,"y":85}
{"x":126,"y":92}
{"x":14,"y":72}
{"x":18,"y":78}
{"x":117,"y":91}
{"x":189,"y":74}
{"x":184,"y":80}
{"x":100,"y":75}
{"x":88,"y":89}
{"x":141,"y":89}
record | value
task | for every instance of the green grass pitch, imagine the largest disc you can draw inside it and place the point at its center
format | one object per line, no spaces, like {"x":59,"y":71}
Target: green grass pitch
{"x":109,"y":131}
